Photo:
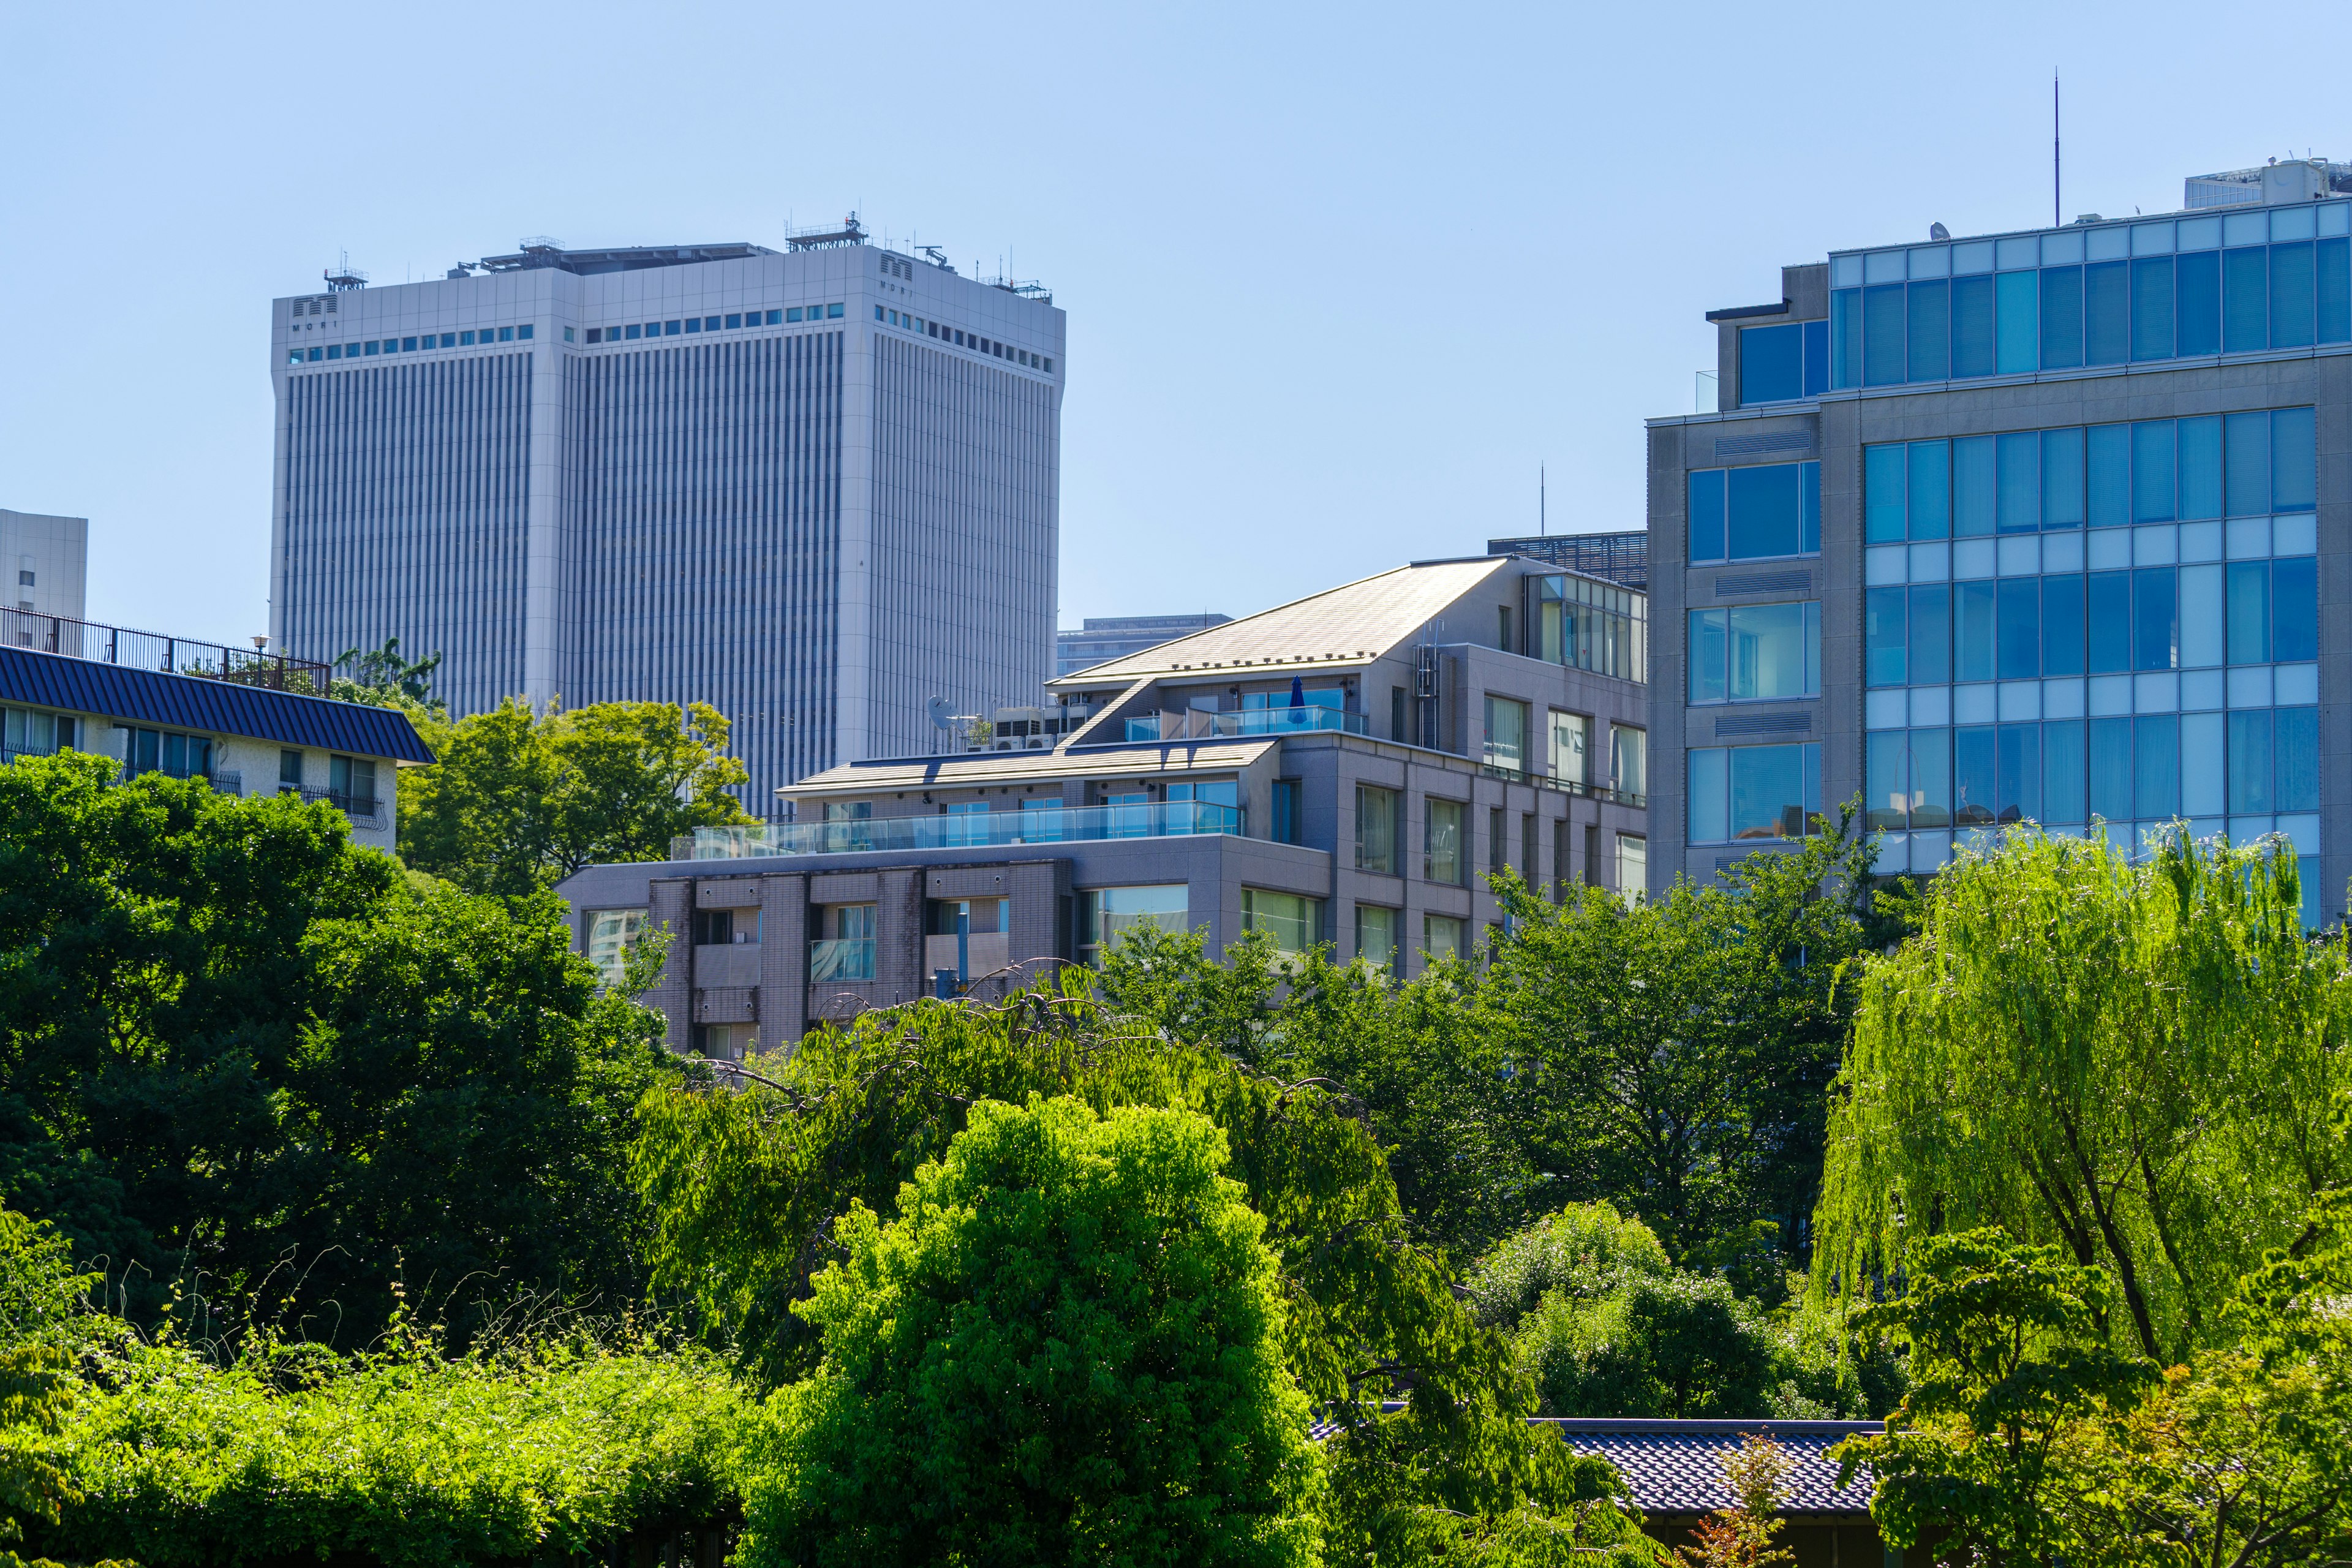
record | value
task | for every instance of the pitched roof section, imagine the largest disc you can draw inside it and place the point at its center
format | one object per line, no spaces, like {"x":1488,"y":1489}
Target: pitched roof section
{"x":1340,"y":628}
{"x":1675,"y":1467}
{"x":214,"y":707}
{"x":971,"y":770}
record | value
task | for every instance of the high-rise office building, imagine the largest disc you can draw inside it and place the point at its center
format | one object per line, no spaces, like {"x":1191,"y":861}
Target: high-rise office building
{"x":1104,"y":638}
{"x":2027,"y":526}
{"x":815,"y":487}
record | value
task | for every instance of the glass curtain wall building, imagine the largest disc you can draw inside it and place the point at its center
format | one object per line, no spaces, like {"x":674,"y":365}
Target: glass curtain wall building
{"x":2025,"y":528}
{"x":815,"y":487}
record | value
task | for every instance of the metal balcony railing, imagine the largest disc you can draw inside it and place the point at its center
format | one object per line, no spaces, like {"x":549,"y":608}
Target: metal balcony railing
{"x":962,"y":830}
{"x":1566,"y":786}
{"x":153,"y":650}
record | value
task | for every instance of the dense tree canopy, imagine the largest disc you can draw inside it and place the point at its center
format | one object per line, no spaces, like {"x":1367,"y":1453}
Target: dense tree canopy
{"x":1065,"y":1348}
{"x":2134,"y":1062}
{"x":239,"y":1051}
{"x":520,"y":800}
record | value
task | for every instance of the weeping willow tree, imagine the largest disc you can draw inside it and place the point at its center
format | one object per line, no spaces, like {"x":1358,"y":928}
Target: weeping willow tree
{"x":2132,"y":1062}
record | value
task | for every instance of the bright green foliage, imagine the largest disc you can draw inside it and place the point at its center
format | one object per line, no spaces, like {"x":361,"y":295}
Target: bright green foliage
{"x":1683,"y":1346}
{"x":236,"y":1048}
{"x":385,"y":678}
{"x":1671,"y":1055}
{"x":748,"y":1189}
{"x":2009,"y":1356}
{"x":39,"y":1293}
{"x":520,"y":800}
{"x":1584,"y":1252}
{"x":1065,"y":1348}
{"x":402,"y":1453}
{"x":2134,"y":1062}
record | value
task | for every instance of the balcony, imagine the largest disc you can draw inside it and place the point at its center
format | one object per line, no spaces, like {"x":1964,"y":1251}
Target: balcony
{"x":1198,"y":724}
{"x":1566,"y":786}
{"x":840,"y":958}
{"x":153,"y":650}
{"x":962,"y":830}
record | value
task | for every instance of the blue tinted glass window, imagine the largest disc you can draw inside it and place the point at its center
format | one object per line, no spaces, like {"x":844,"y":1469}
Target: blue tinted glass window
{"x":775,"y":318}
{"x":1845,"y":336}
{"x":2062,"y":318}
{"x":2250,"y":760}
{"x":2020,"y":631}
{"x":1817,"y":358}
{"x":1885,"y":636}
{"x":1710,"y":794}
{"x":1883,"y":493}
{"x":1931,"y":778}
{"x":1973,"y":790}
{"x":2016,"y":329}
{"x":1761,"y":517}
{"x":2062,"y":771}
{"x":693,"y":323}
{"x":1809,"y":508}
{"x":523,"y":332}
{"x":633,"y":331}
{"x":2295,"y":609}
{"x":2109,"y":622}
{"x":1929,"y":331}
{"x":506,"y":335}
{"x":2017,"y":777}
{"x":408,"y":345}
{"x":1974,"y":489}
{"x":2156,"y":766}
{"x":2201,"y":469}
{"x":1886,"y":781}
{"x":1972,"y":631}
{"x":2246,"y":464}
{"x":710,"y":324}
{"x":1709,"y":634}
{"x":2245,"y":287}
{"x":334,"y":350}
{"x":2021,"y":482}
{"x":1931,"y":490}
{"x":2199,"y":287}
{"x":2152,"y":470}
{"x":2152,"y":308}
{"x":2108,"y":477}
{"x":793,"y":314}
{"x":1972,"y":326}
{"x":1707,"y":515}
{"x":2295,"y":744}
{"x":1775,"y":790}
{"x":1882,"y":334}
{"x":373,"y":345}
{"x":2294,"y":461}
{"x":2111,"y":769}
{"x":2291,"y":295}
{"x":1930,"y":628}
{"x":734,"y":320}
{"x":1772,"y":367}
{"x":2156,"y":619}
{"x":2332,"y":290}
{"x":671,"y":329}
{"x":2062,"y":478}
{"x":2247,"y":597}
{"x":2062,"y":628}
{"x":833,"y":310}
{"x":2106,"y":314}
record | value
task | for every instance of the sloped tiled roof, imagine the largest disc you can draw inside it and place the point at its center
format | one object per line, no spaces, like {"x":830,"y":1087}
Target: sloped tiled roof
{"x":1675,"y":1467}
{"x":971,"y":770}
{"x":214,"y":707}
{"x":1339,"y":628}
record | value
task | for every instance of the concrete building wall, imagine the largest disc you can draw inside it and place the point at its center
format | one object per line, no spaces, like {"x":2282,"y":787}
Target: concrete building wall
{"x":46,"y":563}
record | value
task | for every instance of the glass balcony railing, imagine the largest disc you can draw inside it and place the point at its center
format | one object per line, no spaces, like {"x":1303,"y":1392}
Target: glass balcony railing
{"x":842,"y":958}
{"x":1198,"y":725}
{"x":967,"y":830}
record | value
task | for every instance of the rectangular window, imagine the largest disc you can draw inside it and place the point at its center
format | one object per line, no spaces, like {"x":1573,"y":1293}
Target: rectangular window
{"x":1769,"y":652}
{"x":2062,"y":771}
{"x":611,"y":934}
{"x":735,"y":320}
{"x":2061,"y":625}
{"x":1441,"y":938}
{"x":833,"y":311}
{"x":351,"y":785}
{"x":1629,"y":760}
{"x":1772,"y":367}
{"x":2246,"y":450}
{"x":2062,"y":318}
{"x":2109,"y":620}
{"x":2250,"y":760}
{"x":1845,"y":336}
{"x":1972,"y":326}
{"x":2245,"y":322}
{"x":2156,"y":766}
{"x":1442,"y":859}
{"x":634,"y":331}
{"x":289,"y":770}
{"x":1507,"y":734}
{"x":595,"y":335}
{"x":2111,"y":769}
{"x":1527,"y":835}
{"x":1754,"y":792}
{"x":1974,"y":486}
{"x":1972,"y":631}
{"x":1376,"y":936}
{"x":1974,"y":758}
{"x":2152,"y":458}
{"x":523,"y":332}
{"x":2062,"y":478}
{"x":1929,"y":323}
{"x":2295,"y":609}
{"x":1706,"y":491}
{"x":2107,"y":475}
{"x":2106,"y":314}
{"x":2020,"y":483}
{"x":334,"y":350}
{"x":1885,"y":637}
{"x":2292,"y":282}
{"x":2199,"y":444}
{"x":2332,"y":290}
{"x":1376,"y":829}
{"x":1886,"y":790}
{"x":2156,"y":619}
{"x":2152,"y":308}
{"x":1496,"y":839}
{"x":693,"y":323}
{"x":2198,"y":285}
{"x":1755,"y":513}
{"x":1930,"y":630}
{"x":2018,"y":327}
{"x":2295,"y":748}
{"x":1929,"y":490}
{"x":1883,"y":489}
{"x":2018,"y":636}
{"x":716,"y":927}
{"x":775,"y":318}
{"x":1105,"y":914}
{"x":2295,"y":461}
{"x":1882,"y":334}
{"x":1632,"y":868}
{"x":2248,"y":613}
{"x":1570,"y":733}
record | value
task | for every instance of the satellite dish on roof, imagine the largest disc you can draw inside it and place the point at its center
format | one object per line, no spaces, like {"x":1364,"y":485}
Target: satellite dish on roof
{"x":1938,"y":231}
{"x":942,"y":713}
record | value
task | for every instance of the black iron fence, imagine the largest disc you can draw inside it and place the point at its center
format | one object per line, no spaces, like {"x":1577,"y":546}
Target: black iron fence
{"x":153,"y":650}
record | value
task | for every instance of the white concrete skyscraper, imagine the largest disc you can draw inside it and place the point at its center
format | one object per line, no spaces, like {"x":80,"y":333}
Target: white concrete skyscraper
{"x":815,"y":487}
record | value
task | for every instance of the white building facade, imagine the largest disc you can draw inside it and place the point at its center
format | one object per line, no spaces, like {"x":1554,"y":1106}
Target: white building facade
{"x":814,"y":488}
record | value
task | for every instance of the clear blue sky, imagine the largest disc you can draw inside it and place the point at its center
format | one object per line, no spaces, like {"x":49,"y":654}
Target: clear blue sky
{"x":1339,"y":278}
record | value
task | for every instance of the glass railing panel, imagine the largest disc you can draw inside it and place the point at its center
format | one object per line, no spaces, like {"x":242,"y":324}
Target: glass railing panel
{"x":967,"y":830}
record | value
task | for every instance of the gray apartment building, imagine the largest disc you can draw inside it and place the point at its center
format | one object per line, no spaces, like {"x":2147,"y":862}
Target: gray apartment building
{"x":816,"y":487}
{"x":1346,"y":768}
{"x":2037,"y":526}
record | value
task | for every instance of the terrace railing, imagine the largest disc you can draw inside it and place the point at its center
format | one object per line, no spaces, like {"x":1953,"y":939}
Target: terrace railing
{"x":169,"y":655}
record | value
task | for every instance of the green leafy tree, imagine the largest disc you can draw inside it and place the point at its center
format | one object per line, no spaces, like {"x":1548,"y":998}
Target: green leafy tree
{"x":1065,"y":1347}
{"x":239,"y":1051}
{"x":40,"y":1293}
{"x":2010,"y":1359}
{"x":1682,"y":1345}
{"x":520,"y":800}
{"x":385,"y":677}
{"x":2132,"y":1062}
{"x":1584,"y":1252}
{"x":1672,"y":1055}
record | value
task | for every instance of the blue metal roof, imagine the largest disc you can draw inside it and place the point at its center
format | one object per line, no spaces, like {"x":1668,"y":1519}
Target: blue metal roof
{"x":214,"y":707}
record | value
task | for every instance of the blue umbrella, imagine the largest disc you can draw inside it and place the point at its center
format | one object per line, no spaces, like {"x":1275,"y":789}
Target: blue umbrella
{"x":1298,"y":693}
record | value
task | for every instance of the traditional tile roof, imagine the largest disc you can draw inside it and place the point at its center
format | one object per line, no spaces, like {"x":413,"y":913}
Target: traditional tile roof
{"x":1675,"y":1468}
{"x":214,"y":707}
{"x":1344,"y":628}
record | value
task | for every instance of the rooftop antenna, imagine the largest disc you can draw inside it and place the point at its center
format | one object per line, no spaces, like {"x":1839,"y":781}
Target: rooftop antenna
{"x":2056,"y":206}
{"x":1543,"y":521}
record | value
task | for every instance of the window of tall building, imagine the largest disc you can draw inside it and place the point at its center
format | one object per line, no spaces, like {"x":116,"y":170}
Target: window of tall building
{"x":1755,"y":513}
{"x":1756,"y":653}
{"x":1376,"y":936}
{"x":1376,"y":829}
{"x":1293,"y":920}
{"x":611,"y":934}
{"x":1105,"y":913}
{"x":1629,"y":760}
{"x":1506,"y":734}
{"x":1441,"y":938}
{"x":1632,"y":869}
{"x":1443,"y":858}
{"x":1571,"y":737}
{"x":1754,"y":792}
